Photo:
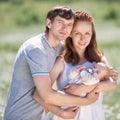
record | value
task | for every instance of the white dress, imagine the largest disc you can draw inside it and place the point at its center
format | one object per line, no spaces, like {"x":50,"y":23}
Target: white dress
{"x":93,"y":111}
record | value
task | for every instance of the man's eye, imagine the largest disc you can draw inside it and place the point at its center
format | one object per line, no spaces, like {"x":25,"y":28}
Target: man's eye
{"x":77,"y":33}
{"x":70,"y":25}
{"x":59,"y":22}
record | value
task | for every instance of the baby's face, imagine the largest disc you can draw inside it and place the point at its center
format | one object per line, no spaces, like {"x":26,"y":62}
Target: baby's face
{"x":100,"y":70}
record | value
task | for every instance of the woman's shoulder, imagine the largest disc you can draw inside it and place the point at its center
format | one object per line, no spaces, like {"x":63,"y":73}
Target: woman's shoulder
{"x":105,"y":61}
{"x":59,"y":63}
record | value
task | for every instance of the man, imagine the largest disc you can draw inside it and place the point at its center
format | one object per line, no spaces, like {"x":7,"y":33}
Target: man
{"x":32,"y":66}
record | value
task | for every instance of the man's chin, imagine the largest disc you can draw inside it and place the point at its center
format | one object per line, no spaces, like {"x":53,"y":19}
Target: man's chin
{"x":63,"y":37}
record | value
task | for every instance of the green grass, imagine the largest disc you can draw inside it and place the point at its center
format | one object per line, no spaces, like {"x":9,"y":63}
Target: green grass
{"x":9,"y":47}
{"x":32,"y":13}
{"x":111,"y":99}
{"x":6,"y":63}
{"x":111,"y":51}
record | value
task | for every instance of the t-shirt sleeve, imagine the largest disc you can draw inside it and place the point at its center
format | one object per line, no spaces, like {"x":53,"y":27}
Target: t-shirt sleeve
{"x":37,"y":61}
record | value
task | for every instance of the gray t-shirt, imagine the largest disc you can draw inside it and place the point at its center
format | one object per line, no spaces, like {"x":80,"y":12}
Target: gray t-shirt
{"x":35,"y":57}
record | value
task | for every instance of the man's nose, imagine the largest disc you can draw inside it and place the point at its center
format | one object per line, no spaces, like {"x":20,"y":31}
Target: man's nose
{"x":64,"y":27}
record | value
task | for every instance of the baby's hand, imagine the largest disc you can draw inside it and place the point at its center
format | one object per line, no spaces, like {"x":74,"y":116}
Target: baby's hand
{"x":113,"y":74}
{"x":75,"y":73}
{"x":80,"y":69}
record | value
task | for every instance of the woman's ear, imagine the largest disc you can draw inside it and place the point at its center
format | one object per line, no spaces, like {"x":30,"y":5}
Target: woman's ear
{"x":48,"y":23}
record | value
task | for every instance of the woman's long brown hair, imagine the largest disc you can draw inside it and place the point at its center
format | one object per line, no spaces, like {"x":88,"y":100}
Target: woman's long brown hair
{"x":92,"y":52}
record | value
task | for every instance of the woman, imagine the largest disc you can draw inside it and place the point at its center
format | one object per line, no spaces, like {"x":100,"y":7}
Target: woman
{"x":81,"y":50}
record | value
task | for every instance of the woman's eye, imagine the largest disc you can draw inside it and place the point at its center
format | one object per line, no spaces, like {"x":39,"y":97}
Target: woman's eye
{"x":76,"y":33}
{"x":87,"y":34}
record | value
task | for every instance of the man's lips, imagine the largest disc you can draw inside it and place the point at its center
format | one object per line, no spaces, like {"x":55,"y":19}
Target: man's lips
{"x":63,"y":33}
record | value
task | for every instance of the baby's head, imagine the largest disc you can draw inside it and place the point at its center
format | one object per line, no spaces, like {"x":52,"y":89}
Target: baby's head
{"x":101,"y":71}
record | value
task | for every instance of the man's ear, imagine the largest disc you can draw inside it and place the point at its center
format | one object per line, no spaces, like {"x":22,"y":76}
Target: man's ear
{"x":48,"y":23}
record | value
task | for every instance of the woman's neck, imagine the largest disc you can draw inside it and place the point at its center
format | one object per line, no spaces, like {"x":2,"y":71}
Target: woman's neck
{"x":82,"y":60}
{"x":82,"y":57}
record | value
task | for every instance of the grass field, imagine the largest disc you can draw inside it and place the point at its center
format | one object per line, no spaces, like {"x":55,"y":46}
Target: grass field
{"x":111,"y":104}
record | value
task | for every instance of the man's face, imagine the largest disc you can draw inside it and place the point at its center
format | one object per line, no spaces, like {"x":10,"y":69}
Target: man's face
{"x":60,"y":28}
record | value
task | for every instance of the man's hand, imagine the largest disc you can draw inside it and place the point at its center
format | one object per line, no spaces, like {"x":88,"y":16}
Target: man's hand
{"x":69,"y":113}
{"x":92,"y":97}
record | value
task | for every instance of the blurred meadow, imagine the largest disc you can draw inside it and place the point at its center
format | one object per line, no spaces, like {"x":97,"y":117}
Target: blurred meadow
{"x":22,"y":19}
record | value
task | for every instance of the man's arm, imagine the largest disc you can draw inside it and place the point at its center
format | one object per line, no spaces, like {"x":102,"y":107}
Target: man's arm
{"x":66,"y":114}
{"x":51,"y":96}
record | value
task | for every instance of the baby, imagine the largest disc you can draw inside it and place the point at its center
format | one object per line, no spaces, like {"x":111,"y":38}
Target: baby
{"x":90,"y":75}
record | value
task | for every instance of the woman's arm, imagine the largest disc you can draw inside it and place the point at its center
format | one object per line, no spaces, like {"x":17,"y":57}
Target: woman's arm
{"x":78,"y":89}
{"x":107,"y":85}
{"x":111,"y":83}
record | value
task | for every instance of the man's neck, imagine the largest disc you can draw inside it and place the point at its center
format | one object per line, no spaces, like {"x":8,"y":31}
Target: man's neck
{"x":53,"y":42}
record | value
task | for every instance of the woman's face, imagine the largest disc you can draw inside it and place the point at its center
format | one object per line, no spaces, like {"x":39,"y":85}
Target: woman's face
{"x":81,"y":35}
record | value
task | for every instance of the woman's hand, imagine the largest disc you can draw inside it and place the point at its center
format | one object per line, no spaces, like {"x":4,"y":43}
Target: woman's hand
{"x":113,"y":74}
